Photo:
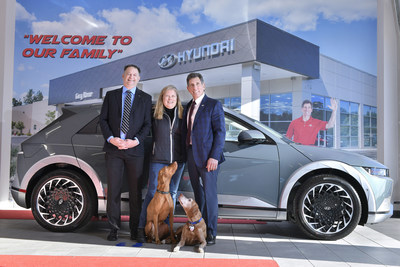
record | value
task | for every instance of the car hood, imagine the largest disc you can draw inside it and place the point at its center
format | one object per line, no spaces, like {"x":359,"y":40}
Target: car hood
{"x":350,"y":158}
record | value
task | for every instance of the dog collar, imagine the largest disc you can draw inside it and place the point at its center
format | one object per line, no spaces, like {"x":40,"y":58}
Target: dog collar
{"x":162,"y":192}
{"x":192,"y":224}
{"x":196,"y":222}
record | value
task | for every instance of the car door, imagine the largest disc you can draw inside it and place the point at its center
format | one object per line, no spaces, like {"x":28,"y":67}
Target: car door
{"x":248,"y":181}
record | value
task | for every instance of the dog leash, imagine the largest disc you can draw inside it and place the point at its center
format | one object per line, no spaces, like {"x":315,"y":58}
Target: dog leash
{"x":192,"y":224}
{"x":162,"y":192}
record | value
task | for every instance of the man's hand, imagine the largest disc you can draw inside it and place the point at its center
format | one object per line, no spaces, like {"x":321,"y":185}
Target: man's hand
{"x":129,"y":143}
{"x":118,"y":142}
{"x":123,"y":144}
{"x":212,"y":164}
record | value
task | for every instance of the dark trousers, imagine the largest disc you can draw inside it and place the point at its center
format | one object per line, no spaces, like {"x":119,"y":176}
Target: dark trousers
{"x":117,"y":163}
{"x":204,"y":186}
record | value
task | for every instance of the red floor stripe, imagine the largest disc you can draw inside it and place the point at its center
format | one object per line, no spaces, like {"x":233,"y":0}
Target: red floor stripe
{"x":24,"y":260}
{"x":27,"y":215}
{"x":16,"y":214}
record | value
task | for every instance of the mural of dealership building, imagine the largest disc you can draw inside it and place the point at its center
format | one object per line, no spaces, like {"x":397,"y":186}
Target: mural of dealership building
{"x":253,"y":67}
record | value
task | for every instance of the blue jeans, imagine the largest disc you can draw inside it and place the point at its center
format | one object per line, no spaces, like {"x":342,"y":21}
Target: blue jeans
{"x":153,"y":181}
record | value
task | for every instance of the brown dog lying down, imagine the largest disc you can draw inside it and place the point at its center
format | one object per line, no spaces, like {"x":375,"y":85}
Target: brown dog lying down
{"x":195,"y":230}
{"x":160,"y":207}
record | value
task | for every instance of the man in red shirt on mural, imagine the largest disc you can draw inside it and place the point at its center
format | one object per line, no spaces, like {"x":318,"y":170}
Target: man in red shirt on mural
{"x":304,"y":130}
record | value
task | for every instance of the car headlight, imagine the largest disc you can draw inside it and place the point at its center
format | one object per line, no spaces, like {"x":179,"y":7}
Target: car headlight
{"x":377,"y":171}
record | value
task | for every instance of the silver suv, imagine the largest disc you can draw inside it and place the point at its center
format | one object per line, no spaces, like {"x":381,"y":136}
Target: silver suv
{"x":326,"y":192}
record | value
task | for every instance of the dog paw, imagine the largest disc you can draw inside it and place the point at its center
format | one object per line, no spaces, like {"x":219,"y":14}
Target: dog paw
{"x":167,"y":240}
{"x":176,"y":249}
{"x":200,"y":250}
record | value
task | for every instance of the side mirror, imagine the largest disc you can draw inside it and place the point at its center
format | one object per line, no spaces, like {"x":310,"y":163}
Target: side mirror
{"x":251,"y":137}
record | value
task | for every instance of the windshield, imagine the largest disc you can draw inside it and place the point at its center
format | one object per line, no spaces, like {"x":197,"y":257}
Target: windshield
{"x":270,"y":130}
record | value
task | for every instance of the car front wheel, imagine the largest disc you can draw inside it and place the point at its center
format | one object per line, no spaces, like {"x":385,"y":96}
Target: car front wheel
{"x":61,"y":201}
{"x":327,"y":207}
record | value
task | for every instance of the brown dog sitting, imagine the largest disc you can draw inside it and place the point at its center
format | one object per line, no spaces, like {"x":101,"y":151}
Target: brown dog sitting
{"x":195,"y":230}
{"x":160,"y":207}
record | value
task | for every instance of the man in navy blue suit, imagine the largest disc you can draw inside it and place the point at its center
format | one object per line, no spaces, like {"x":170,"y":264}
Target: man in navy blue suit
{"x":125,"y":121}
{"x":204,"y":128}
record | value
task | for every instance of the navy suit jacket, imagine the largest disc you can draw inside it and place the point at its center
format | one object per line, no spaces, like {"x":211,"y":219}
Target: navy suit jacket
{"x":208,"y":132}
{"x":139,"y":120}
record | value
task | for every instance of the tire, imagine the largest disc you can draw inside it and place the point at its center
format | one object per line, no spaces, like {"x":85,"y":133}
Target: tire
{"x":62,"y":201}
{"x":327,"y":207}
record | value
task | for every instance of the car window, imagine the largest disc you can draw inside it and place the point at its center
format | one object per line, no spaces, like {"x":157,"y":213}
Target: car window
{"x":233,"y":129}
{"x":234,"y":126}
{"x":92,"y":127}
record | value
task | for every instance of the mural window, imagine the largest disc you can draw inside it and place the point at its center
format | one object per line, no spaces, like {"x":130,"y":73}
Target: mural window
{"x":370,"y":126}
{"x":349,"y":113}
{"x":231,"y":102}
{"x":276,"y":111}
{"x":322,"y":112}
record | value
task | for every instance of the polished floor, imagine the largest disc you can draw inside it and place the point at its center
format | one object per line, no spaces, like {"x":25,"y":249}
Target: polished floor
{"x":377,"y":245}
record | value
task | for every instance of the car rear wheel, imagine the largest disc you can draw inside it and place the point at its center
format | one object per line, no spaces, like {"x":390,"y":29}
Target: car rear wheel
{"x":62,"y":202}
{"x":327,"y":207}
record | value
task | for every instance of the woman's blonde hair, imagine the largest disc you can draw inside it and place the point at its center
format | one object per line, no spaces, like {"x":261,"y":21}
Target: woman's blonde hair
{"x":159,"y":110}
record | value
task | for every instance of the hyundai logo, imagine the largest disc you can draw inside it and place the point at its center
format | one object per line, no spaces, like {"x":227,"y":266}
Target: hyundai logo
{"x":199,"y":53}
{"x":167,"y":61}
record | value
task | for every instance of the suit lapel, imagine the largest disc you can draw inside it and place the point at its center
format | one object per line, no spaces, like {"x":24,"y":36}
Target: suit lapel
{"x":186,"y":112}
{"x":118,"y":99}
{"x":136,"y":101}
{"x":200,"y":110}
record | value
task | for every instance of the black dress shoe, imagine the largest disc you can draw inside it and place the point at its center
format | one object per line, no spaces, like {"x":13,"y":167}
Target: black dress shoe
{"x":141,"y":238}
{"x":113,"y":235}
{"x":210,"y":239}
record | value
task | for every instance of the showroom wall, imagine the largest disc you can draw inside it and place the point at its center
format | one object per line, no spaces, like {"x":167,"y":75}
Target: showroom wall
{"x":7,"y":26}
{"x":388,"y":90}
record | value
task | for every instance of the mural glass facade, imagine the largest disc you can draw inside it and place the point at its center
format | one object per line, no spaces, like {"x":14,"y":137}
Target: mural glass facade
{"x":276,"y":111}
{"x":349,"y":113}
{"x":370,"y":125}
